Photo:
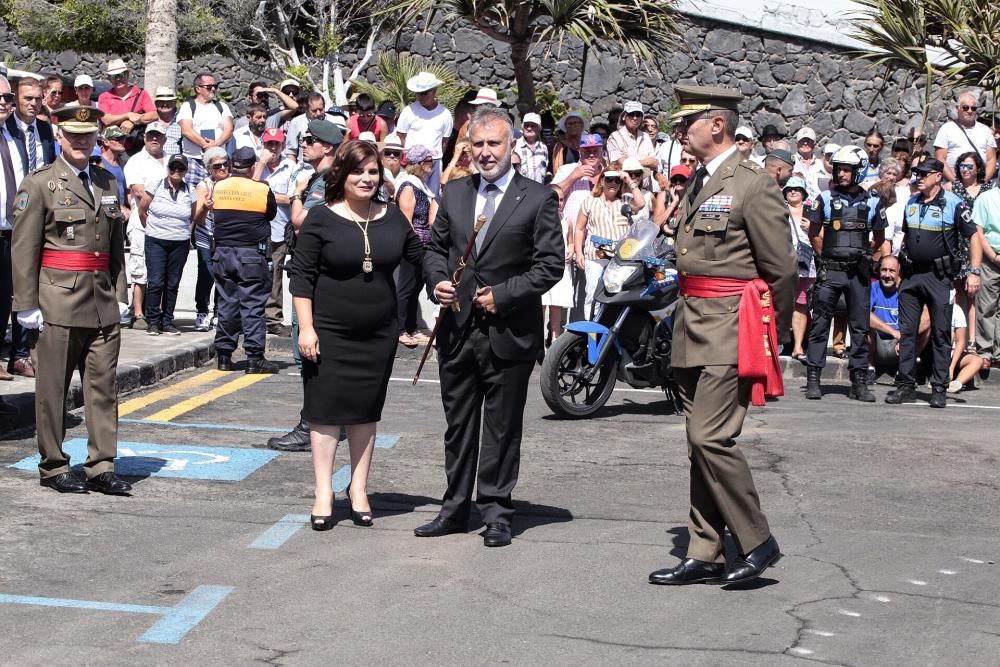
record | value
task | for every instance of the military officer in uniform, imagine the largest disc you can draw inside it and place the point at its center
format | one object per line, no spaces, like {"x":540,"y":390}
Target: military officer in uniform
{"x":737,"y":275}
{"x":845,"y":225}
{"x":932,"y":222}
{"x":70,"y":289}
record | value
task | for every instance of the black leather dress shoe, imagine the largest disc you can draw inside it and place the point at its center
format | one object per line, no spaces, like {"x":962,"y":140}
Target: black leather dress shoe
{"x":749,"y":567}
{"x":260,"y":366}
{"x":65,"y":482}
{"x":109,"y":483}
{"x":224,"y":362}
{"x":690,"y":571}
{"x":438,"y":527}
{"x":496,"y":535}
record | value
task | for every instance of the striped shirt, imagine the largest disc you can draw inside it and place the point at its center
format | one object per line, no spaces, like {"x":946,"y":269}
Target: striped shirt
{"x":169,"y":214}
{"x":604,"y":218}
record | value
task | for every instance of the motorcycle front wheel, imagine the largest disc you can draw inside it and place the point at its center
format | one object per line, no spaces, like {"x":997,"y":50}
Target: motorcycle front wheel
{"x":563,"y":387}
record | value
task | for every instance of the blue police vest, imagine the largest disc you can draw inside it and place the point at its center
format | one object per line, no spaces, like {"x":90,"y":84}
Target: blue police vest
{"x":935,"y":219}
{"x":848,"y":223}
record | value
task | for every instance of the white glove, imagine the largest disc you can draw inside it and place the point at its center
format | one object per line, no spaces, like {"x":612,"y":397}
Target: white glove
{"x":122,"y":309}
{"x":31,"y":319}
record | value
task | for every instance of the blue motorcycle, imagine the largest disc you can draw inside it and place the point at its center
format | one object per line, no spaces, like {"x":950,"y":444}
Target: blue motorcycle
{"x":629,"y":336}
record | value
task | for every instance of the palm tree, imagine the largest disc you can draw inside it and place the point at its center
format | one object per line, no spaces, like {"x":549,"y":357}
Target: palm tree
{"x":641,"y":28}
{"x":161,"y":43}
{"x":949,"y":42}
{"x":395,"y":69}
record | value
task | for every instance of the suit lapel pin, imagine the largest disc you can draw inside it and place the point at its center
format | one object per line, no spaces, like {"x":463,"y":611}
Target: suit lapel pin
{"x":51,"y":186}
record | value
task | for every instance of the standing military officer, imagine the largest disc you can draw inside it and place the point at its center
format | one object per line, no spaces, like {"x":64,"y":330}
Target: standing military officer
{"x":932,"y":221}
{"x":69,"y":287}
{"x":845,"y":225}
{"x":737,"y":280}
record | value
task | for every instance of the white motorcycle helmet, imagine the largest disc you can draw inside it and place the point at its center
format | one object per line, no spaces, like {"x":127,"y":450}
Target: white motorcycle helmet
{"x":853,"y":157}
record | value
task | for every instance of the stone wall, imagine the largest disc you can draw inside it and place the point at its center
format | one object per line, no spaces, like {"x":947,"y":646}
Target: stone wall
{"x":787,"y":81}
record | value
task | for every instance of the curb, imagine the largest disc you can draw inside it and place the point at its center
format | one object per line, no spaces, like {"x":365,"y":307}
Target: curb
{"x":129,"y":377}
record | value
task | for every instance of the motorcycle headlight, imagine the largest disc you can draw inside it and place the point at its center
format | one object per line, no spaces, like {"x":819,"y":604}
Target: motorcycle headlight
{"x":616,"y":275}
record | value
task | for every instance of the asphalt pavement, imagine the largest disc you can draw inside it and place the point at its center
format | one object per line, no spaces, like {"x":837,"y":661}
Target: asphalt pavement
{"x":887,"y":517}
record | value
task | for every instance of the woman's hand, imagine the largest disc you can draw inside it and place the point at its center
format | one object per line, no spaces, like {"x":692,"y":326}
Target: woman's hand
{"x":581,"y":262}
{"x":309,"y":344}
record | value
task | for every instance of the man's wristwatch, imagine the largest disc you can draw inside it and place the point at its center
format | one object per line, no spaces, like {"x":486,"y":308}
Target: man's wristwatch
{"x":975,"y":271}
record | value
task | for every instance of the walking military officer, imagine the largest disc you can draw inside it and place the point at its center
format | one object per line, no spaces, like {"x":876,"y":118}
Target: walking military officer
{"x":70,"y":289}
{"x":845,"y":225}
{"x":932,"y":222}
{"x":738,"y":275}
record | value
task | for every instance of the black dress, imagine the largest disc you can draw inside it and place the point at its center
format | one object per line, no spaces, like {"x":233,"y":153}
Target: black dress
{"x":354,"y":313}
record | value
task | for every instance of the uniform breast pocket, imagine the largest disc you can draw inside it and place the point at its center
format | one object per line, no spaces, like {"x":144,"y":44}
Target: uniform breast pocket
{"x":70,"y":225}
{"x":709,"y":231}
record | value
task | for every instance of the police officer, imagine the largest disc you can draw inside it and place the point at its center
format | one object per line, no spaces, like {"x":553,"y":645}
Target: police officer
{"x":932,"y":222}
{"x":845,"y":225}
{"x":243,"y":209}
{"x":70,"y":290}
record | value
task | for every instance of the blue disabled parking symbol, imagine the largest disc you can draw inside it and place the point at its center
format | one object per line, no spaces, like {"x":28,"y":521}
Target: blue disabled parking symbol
{"x":147,"y":459}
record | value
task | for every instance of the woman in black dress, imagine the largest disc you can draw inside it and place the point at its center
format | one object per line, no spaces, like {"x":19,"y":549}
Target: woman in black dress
{"x":345,"y":300}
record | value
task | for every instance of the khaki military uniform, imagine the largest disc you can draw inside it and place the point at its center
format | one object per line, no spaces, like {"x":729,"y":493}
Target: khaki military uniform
{"x":54,"y":213}
{"x":736,"y":227}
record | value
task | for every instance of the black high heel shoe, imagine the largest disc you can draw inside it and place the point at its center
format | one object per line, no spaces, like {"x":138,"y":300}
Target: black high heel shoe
{"x":319,"y":522}
{"x":359,"y":518}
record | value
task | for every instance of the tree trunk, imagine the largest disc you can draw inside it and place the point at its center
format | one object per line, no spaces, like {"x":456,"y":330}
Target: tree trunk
{"x":523,"y":75}
{"x":161,"y":44}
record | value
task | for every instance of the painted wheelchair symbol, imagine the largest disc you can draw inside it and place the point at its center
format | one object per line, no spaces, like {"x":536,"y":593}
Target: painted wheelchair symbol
{"x":154,"y":458}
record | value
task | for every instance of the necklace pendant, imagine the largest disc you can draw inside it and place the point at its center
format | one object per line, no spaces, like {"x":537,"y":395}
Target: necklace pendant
{"x":367,"y":266}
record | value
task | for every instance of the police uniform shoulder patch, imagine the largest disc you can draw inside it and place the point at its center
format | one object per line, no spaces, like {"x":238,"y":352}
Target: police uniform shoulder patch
{"x":22,"y":201}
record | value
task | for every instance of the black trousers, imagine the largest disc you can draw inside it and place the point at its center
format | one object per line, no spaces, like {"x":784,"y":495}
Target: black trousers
{"x":18,"y":334}
{"x":476,"y":385}
{"x":826,"y":293}
{"x":917,"y":291}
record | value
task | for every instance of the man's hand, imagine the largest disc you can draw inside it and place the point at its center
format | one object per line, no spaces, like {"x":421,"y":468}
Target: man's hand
{"x":126,"y":126}
{"x":581,"y":261}
{"x":444,"y":292}
{"x":484,"y":300}
{"x":265,"y":157}
{"x":972,"y":283}
{"x":583,"y":171}
{"x":31,"y":319}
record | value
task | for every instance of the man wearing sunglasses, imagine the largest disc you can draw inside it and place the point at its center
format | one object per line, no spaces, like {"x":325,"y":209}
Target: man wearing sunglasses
{"x":738,"y":276}
{"x":13,"y":173}
{"x":125,"y":105}
{"x":963,"y":134}
{"x":630,"y":141}
{"x":205,"y":122}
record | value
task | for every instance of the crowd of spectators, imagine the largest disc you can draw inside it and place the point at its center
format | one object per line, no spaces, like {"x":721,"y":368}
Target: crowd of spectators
{"x":168,"y":153}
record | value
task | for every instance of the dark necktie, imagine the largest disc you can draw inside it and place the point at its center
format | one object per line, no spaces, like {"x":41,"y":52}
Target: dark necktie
{"x":697,"y":182}
{"x":85,"y":179}
{"x":492,"y":192}
{"x":9,"y":182}
{"x":32,"y":145}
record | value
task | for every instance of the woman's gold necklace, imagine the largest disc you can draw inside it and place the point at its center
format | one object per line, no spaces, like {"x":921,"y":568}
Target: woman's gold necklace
{"x":366,"y":264}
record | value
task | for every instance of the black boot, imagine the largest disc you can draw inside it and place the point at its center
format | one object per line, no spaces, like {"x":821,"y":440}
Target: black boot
{"x":224,"y":362}
{"x":859,"y":387}
{"x":260,"y":366}
{"x":813,"y":392}
{"x":903,"y":393}
{"x":938,"y":398}
{"x":296,"y":440}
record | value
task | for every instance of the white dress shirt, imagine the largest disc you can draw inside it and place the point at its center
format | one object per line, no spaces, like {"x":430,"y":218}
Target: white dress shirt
{"x":503,"y":183}
{"x":15,"y":158}
{"x":39,"y":151}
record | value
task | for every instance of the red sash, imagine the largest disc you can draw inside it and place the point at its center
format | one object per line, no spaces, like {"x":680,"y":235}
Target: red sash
{"x":75,"y":260}
{"x":757,"y":338}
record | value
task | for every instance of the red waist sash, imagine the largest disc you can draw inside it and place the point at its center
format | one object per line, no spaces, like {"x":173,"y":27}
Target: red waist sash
{"x":757,"y":339}
{"x":75,"y":260}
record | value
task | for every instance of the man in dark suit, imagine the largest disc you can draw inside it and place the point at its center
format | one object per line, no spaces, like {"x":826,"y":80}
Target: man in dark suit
{"x":36,"y":147}
{"x":487,"y":348}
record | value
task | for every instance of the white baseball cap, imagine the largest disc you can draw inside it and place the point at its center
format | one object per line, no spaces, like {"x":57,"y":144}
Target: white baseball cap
{"x":805,"y":133}
{"x":83,"y":80}
{"x":744,"y":131}
{"x":631,"y":107}
{"x":532,"y":118}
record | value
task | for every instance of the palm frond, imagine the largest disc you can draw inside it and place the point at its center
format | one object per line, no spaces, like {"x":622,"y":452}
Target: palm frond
{"x":395,"y":69}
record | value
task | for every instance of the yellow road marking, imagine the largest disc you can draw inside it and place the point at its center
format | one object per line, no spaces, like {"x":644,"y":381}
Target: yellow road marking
{"x":171,"y":413}
{"x":131,"y":405}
